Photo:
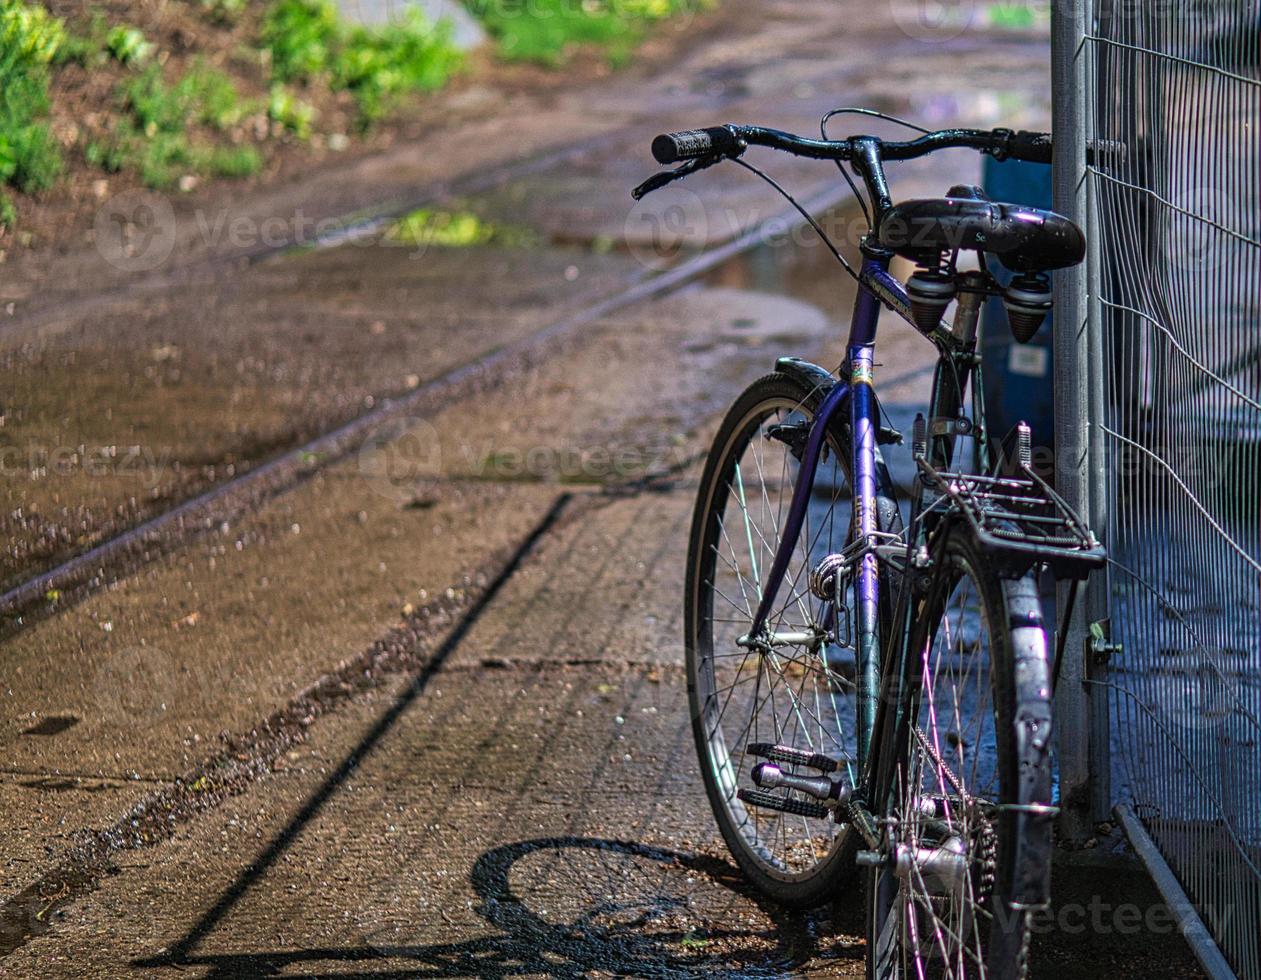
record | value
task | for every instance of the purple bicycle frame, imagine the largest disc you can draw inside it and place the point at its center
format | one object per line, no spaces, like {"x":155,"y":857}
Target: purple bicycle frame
{"x":875,"y":285}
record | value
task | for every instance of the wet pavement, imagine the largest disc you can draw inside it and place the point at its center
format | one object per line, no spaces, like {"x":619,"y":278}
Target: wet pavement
{"x":423,"y":712}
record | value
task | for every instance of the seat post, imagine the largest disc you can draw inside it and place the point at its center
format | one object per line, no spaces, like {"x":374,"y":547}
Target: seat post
{"x":972,"y":294}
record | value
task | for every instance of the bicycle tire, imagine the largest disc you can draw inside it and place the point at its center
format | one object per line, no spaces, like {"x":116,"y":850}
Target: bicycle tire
{"x":796,"y":888}
{"x":1018,"y":854}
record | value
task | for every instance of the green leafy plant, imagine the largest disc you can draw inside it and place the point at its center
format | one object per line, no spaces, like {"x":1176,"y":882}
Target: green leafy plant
{"x":30,"y":39}
{"x":308,"y":41}
{"x":8,"y":213}
{"x":230,"y":161}
{"x":156,"y":106}
{"x":85,"y":46}
{"x":548,"y":31}
{"x":129,"y":45}
{"x":300,"y":34}
{"x":210,"y":97}
{"x":223,"y":11}
{"x":30,"y":158}
{"x":292,"y":113}
{"x":153,"y":138}
{"x":408,"y":55}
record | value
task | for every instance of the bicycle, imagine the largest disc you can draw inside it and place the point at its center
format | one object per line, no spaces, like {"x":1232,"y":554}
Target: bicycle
{"x":871,"y":690}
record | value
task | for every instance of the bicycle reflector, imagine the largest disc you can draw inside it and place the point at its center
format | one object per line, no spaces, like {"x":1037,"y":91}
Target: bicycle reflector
{"x":1027,"y":300}
{"x":930,"y":292}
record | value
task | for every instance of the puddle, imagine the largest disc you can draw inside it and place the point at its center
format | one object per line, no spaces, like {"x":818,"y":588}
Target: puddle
{"x":794,"y":262}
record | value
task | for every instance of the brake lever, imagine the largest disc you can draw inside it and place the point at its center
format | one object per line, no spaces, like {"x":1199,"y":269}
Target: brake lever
{"x":660,"y":180}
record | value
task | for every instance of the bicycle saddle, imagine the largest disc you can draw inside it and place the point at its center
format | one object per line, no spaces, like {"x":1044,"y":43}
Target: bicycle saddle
{"x":1023,"y":239}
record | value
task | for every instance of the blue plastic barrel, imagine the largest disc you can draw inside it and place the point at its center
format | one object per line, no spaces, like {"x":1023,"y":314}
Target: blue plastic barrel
{"x":1017,"y":376}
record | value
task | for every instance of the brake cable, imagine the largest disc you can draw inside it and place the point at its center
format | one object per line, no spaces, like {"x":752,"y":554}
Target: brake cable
{"x":836,"y":253}
{"x":858,"y":111}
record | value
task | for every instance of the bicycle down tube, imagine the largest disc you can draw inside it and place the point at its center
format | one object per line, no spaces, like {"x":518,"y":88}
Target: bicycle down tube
{"x":858,"y":391}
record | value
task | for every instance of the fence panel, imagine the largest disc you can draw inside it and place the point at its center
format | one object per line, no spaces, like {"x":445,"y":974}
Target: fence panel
{"x":1176,"y":297}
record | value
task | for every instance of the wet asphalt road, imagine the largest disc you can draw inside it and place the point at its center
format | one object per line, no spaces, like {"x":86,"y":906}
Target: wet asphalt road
{"x":424,"y":713}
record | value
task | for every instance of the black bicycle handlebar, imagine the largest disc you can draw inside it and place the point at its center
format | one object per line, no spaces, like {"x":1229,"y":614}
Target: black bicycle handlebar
{"x":731,"y":141}
{"x":700,"y":148}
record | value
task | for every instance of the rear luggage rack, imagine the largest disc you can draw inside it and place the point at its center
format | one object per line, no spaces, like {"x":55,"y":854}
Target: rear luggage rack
{"x":1020,"y":520}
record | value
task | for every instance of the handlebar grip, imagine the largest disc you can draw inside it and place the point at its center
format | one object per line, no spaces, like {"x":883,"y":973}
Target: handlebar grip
{"x":1036,"y":148}
{"x":1106,"y":152}
{"x":1030,"y":147}
{"x":694,"y":144}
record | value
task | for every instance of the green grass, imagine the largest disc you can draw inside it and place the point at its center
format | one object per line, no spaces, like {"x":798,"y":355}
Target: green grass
{"x":230,"y":161}
{"x":295,"y":115}
{"x":455,"y":229}
{"x":211,"y":97}
{"x":129,"y":46}
{"x":548,"y":31}
{"x":223,"y":11}
{"x":30,"y":39}
{"x":308,"y":42}
{"x":152,"y":137}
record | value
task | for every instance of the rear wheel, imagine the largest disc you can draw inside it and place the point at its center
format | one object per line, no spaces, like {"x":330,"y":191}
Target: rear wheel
{"x":801,"y":693}
{"x":966,"y":789}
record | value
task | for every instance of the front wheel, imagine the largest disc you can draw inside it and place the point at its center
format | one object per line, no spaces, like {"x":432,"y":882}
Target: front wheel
{"x":802,"y":692}
{"x":964,"y":781}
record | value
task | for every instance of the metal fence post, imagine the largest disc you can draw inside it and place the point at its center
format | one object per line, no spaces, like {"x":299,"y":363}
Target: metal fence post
{"x":1158,"y":368}
{"x":1102,"y":485}
{"x":1072,"y":401}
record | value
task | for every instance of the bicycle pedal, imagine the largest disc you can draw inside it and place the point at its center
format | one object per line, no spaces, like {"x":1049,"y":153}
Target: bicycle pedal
{"x":769,"y":801}
{"x":793,"y":757}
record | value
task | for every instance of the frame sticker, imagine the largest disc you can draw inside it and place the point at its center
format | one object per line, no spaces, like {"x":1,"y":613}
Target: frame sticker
{"x":862,"y":374}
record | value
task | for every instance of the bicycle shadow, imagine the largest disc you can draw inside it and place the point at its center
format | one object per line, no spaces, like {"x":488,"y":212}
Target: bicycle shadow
{"x":601,"y":938}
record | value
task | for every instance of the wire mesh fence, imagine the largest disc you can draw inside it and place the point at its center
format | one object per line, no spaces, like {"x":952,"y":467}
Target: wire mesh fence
{"x":1175,"y":213}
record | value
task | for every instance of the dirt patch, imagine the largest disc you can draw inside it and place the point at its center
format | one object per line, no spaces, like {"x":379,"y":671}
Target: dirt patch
{"x":86,"y":107}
